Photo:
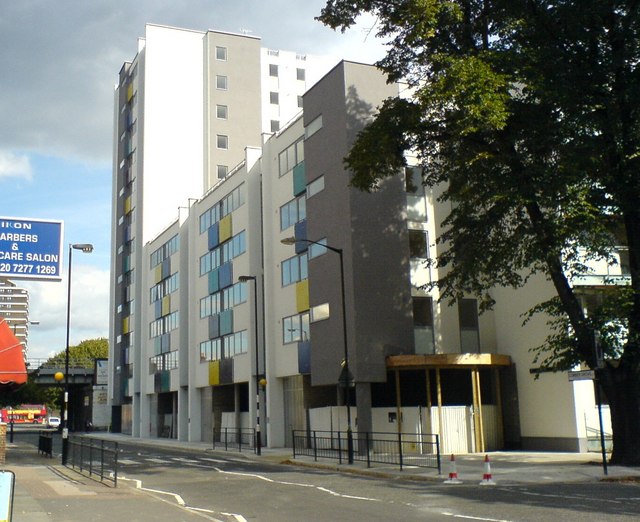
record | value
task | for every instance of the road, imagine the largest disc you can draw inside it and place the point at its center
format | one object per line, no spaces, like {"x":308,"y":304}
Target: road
{"x":230,"y":487}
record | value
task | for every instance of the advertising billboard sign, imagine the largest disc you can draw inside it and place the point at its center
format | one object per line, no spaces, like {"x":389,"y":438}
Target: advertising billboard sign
{"x":30,"y":248}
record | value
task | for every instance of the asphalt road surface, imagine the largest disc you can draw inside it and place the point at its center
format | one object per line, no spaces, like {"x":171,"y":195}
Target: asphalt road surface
{"x":226,"y":486}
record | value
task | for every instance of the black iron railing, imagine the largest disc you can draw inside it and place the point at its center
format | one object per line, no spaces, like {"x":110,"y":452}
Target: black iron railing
{"x":234,"y":439}
{"x":401,"y":449}
{"x":97,"y":458}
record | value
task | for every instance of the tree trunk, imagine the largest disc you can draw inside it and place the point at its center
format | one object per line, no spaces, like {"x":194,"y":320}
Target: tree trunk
{"x":622,"y":388}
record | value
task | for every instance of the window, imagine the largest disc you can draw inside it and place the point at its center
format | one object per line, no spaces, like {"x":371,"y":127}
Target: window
{"x":416,"y":203}
{"x":469,"y":332}
{"x":313,"y":127}
{"x":224,"y":347}
{"x":222,"y":141}
{"x":221,"y":53}
{"x":235,"y":199}
{"x":423,"y":325}
{"x":221,"y":82}
{"x":418,"y":245}
{"x":317,"y":249}
{"x":299,"y":102}
{"x":223,"y":254}
{"x":222,"y":112}
{"x":165,"y":251}
{"x":293,"y":212}
{"x":291,"y":156}
{"x":220,"y":301}
{"x":294,"y":269}
{"x":273,"y":70}
{"x":413,"y":180}
{"x":275,"y":125}
{"x":223,"y":170}
{"x":295,"y":328}
{"x":300,"y":74}
{"x":315,"y":186}
{"x":320,"y":312}
{"x":274,"y":98}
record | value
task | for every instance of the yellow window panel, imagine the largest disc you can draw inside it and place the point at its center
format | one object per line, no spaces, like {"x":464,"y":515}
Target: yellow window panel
{"x":214,"y":373}
{"x":225,"y":228}
{"x":125,"y":325}
{"x":157,"y":276}
{"x":302,"y":296}
{"x":130,"y":92}
{"x":166,"y":305}
{"x":127,"y":205}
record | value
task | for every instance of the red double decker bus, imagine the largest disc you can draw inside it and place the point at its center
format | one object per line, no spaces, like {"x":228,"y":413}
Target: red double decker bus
{"x":24,"y":414}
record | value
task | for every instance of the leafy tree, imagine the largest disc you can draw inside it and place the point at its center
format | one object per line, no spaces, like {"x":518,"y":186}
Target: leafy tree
{"x":526,"y":112}
{"x":80,"y":356}
{"x":83,"y":354}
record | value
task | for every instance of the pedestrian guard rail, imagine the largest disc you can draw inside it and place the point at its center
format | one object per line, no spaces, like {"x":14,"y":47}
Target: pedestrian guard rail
{"x":234,"y":439}
{"x":94,"y":457}
{"x":401,"y":449}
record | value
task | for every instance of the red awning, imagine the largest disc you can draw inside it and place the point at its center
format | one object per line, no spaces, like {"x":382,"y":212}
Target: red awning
{"x":12,"y":365}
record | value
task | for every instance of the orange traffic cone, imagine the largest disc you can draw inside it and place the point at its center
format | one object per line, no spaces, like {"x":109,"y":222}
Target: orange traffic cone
{"x":453,"y":473}
{"x":487,"y":479}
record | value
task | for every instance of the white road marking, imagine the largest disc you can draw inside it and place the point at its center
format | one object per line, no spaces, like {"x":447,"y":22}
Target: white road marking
{"x":127,"y":461}
{"x":183,"y":459}
{"x":179,"y":500}
{"x":298,"y":484}
{"x":475,"y":518}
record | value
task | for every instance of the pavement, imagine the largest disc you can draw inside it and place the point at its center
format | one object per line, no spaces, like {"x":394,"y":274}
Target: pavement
{"x":45,"y":490}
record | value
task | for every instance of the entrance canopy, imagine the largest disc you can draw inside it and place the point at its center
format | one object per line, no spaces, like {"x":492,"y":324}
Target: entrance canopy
{"x":447,"y":360}
{"x":12,"y":365}
{"x":478,"y":431}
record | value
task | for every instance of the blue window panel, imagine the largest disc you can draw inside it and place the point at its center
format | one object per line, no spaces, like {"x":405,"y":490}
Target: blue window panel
{"x":214,"y":236}
{"x":299,"y":179}
{"x":301,"y":233}
{"x":166,"y":268}
{"x":226,"y":322}
{"x":162,"y":381}
{"x":157,"y":309}
{"x":225,"y":275}
{"x":214,"y":283}
{"x":214,"y":326}
{"x":304,"y":357}
{"x":226,"y":371}
{"x":157,"y":346}
{"x":165,"y":342}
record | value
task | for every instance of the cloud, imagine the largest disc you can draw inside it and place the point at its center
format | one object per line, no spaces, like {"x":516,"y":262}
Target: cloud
{"x":89,"y":316}
{"x":14,"y":165}
{"x":61,"y":59}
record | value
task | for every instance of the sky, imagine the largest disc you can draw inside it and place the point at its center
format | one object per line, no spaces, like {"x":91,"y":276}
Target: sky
{"x":59,"y":63}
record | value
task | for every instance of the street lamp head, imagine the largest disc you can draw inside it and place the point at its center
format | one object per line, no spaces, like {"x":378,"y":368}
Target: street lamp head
{"x":87,"y":248}
{"x":288,"y":241}
{"x":245,"y":278}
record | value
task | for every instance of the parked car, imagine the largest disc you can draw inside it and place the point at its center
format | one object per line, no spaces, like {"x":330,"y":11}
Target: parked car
{"x":53,"y":422}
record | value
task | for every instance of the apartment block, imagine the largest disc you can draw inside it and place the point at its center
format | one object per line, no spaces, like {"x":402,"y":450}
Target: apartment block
{"x":253,"y":287}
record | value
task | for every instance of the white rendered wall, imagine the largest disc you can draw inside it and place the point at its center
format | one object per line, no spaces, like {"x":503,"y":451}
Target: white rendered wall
{"x":547,"y":405}
{"x":173,"y":129}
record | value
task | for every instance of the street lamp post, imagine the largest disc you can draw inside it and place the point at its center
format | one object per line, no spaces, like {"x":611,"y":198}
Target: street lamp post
{"x":244,"y":279}
{"x":87,"y":249}
{"x":345,"y":371}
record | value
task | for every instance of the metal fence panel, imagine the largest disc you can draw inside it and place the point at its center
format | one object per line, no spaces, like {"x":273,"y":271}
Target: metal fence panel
{"x":401,"y":449}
